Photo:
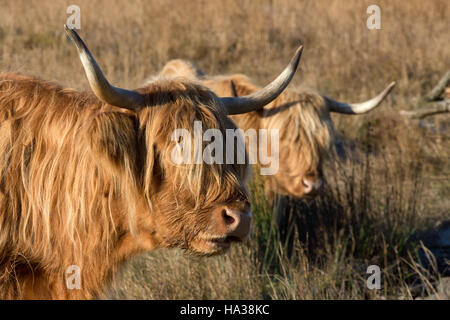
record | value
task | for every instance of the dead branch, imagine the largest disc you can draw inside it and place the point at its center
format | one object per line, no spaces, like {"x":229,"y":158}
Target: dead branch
{"x":431,"y":109}
{"x":437,"y":91}
{"x":430,"y":104}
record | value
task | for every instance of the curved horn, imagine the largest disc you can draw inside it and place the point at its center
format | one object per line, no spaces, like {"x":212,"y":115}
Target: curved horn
{"x":358,"y":108}
{"x":103,"y":90}
{"x":259,"y":99}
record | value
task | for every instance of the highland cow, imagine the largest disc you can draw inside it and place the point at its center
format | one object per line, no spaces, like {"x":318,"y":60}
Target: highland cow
{"x":302,"y":117}
{"x":86,"y":180}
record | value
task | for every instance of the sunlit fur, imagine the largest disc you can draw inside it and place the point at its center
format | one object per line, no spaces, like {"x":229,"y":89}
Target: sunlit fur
{"x":302,"y":117}
{"x":88,"y":184}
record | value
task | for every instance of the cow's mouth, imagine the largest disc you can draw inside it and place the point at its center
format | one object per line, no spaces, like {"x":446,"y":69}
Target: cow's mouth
{"x":215,"y":245}
{"x":224,"y":242}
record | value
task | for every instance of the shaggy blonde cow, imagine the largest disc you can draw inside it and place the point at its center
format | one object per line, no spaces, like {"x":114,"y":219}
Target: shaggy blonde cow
{"x":87,"y":180}
{"x":302,"y":117}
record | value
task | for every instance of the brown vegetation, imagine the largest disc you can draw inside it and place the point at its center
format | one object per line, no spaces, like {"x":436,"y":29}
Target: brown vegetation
{"x":373,"y":202}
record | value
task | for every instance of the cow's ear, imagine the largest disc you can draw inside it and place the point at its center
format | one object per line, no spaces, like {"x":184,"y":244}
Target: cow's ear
{"x":233,"y":89}
{"x":240,"y":85}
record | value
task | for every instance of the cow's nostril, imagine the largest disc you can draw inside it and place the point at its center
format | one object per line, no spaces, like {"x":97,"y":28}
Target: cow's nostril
{"x":233,"y":224}
{"x":311,"y":186}
{"x":228,"y":218}
{"x":307,"y":186}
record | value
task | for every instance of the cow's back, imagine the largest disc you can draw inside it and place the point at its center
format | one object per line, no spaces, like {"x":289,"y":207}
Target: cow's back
{"x":54,"y":187}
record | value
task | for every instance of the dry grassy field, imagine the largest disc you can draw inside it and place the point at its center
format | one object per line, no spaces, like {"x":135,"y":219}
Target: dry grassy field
{"x":395,"y":184}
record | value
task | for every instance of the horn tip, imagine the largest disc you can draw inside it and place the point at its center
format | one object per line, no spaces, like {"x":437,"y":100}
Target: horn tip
{"x":73,"y":35}
{"x":390,"y":87}
{"x":299,"y":52}
{"x":296,"y":59}
{"x":67,"y":29}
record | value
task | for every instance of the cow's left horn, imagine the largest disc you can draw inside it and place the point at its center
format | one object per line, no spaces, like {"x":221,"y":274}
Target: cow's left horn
{"x":358,"y":108}
{"x":259,"y":99}
{"x":103,"y":90}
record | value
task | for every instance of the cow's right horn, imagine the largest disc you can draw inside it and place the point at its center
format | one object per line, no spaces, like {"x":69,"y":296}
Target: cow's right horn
{"x":257,"y":100}
{"x":103,"y":90}
{"x":359,"y":108}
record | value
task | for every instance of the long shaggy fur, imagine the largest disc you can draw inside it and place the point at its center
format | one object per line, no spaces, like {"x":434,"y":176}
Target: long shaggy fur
{"x":88,"y":184}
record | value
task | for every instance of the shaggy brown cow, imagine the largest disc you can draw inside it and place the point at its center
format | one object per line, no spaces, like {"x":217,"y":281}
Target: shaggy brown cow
{"x":87,"y":181}
{"x":302,"y":117}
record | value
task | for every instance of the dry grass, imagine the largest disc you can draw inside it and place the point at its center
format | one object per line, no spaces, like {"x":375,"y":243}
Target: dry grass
{"x":373,"y":203}
{"x":321,"y":253}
